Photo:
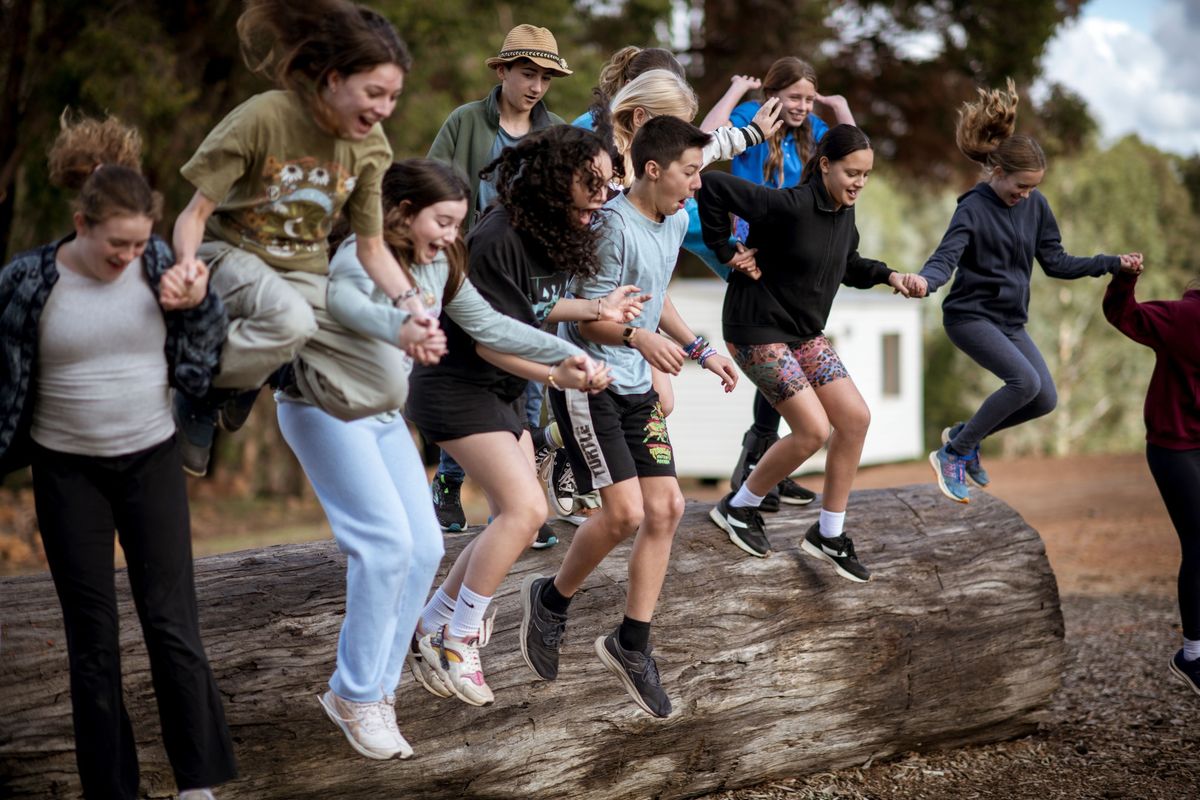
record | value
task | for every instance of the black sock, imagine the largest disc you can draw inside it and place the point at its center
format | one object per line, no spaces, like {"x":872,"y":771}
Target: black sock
{"x":553,"y":599}
{"x":634,"y":635}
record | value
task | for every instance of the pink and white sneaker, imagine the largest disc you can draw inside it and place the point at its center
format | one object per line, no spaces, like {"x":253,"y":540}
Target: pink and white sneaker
{"x":457,"y":663}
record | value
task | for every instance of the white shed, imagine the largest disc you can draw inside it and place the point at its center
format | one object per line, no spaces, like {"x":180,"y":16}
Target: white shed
{"x":878,"y":336}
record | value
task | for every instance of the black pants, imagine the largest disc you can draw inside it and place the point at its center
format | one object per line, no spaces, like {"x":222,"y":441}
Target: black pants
{"x":1177,"y":473}
{"x":80,"y":500}
{"x":766,"y":418}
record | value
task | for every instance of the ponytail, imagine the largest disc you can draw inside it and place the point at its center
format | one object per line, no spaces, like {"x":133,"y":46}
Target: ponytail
{"x":102,"y":161}
{"x":984,"y":133}
{"x":839,"y":142}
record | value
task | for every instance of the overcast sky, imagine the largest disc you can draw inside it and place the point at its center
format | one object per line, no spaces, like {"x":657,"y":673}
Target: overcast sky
{"x":1137,"y":64}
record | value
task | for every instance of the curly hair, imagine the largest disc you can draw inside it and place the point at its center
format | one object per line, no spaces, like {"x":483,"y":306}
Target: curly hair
{"x":782,"y":74}
{"x":102,"y":160}
{"x":985,"y":128}
{"x":533,"y":181}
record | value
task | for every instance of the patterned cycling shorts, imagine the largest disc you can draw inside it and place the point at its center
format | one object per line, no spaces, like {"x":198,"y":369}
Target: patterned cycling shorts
{"x":781,"y":370}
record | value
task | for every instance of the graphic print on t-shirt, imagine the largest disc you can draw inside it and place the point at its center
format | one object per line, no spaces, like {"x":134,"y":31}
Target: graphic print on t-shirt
{"x":547,"y":290}
{"x":297,"y":215}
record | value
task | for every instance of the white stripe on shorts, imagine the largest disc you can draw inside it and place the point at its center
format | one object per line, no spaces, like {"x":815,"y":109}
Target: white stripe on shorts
{"x":580,"y":412}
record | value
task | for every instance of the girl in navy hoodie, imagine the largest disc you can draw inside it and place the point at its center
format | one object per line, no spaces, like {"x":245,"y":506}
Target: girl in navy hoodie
{"x":1172,"y":412}
{"x":999,"y":227}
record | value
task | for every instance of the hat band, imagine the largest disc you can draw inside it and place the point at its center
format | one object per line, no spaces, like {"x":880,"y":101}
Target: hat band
{"x":508,"y":55}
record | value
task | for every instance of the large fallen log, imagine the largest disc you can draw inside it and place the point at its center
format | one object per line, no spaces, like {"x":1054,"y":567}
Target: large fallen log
{"x":776,"y":667}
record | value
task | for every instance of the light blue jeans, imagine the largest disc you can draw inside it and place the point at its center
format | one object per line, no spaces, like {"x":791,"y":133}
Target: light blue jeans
{"x":370,"y":481}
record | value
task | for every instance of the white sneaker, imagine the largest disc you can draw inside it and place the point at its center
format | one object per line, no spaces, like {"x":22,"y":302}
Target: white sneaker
{"x":423,"y":673}
{"x":389,"y":719}
{"x":457,"y":663}
{"x":196,"y":794}
{"x":368,"y":726}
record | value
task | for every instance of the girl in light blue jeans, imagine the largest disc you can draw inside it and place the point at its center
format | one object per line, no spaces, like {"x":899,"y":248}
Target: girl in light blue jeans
{"x":368,"y":474}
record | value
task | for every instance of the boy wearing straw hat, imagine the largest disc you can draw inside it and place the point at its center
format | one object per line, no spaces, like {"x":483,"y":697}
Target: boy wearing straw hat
{"x":470,"y":139}
{"x":474,"y":134}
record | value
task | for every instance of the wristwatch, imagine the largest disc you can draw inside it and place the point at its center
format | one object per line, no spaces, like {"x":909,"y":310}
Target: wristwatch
{"x":628,"y":334}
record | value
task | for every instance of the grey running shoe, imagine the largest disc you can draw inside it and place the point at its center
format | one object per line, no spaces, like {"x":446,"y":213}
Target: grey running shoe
{"x":638,"y":673}
{"x":744,"y":526}
{"x":838,"y":551}
{"x":542,"y":630}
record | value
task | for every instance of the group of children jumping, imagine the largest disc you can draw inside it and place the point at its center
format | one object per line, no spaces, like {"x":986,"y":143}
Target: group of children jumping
{"x":308,"y":261}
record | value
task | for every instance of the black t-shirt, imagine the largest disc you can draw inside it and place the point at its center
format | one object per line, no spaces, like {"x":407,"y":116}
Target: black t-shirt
{"x":512,"y":272}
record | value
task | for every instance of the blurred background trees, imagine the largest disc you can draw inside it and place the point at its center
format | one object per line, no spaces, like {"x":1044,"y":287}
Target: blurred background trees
{"x":173,"y":69}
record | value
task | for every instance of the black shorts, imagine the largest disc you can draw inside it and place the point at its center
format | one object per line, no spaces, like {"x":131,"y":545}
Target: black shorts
{"x":612,"y":437}
{"x":444,"y":408}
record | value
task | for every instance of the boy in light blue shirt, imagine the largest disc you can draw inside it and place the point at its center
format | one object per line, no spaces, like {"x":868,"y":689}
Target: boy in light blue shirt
{"x":617,"y":440}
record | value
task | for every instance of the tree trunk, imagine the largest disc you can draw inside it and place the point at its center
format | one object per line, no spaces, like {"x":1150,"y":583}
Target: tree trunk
{"x":776,"y":667}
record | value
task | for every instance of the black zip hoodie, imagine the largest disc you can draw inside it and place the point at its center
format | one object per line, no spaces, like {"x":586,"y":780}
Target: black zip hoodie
{"x":993,"y":246}
{"x":805,"y":250}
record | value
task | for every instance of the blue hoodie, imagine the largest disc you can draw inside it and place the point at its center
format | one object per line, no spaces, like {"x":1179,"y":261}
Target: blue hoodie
{"x":993,"y":246}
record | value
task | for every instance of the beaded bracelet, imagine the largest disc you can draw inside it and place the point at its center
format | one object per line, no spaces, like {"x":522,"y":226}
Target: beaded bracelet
{"x":694,"y":349}
{"x":708,"y":352}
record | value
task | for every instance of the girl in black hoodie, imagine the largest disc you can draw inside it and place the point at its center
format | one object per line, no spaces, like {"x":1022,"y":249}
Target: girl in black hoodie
{"x":807,"y":246}
{"x":999,"y":227}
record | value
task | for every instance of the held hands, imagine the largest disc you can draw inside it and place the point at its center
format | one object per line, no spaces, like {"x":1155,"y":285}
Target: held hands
{"x":1131,"y":263}
{"x":582,"y":373}
{"x":183,"y":286}
{"x":909,"y":284}
{"x":767,"y":116}
{"x":423,"y":339}
{"x":722,"y":367}
{"x":662,"y":353}
{"x":743,"y":261}
{"x":622,"y":305}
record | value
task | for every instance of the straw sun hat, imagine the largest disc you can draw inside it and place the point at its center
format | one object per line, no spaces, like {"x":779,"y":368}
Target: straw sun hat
{"x":536,"y":44}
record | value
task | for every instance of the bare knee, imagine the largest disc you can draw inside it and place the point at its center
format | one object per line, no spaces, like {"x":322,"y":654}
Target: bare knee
{"x":804,"y":442}
{"x":854,"y":422}
{"x":622,"y":519}
{"x":664,"y":512}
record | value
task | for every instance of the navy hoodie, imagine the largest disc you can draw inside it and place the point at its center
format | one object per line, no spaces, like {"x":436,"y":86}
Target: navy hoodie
{"x":806,"y":249}
{"x":993,"y":246}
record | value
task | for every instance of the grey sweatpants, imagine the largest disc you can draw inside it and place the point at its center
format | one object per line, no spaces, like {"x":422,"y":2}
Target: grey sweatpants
{"x":280,"y":316}
{"x":1028,"y":391}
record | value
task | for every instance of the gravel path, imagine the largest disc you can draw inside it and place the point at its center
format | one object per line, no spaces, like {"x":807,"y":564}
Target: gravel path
{"x":1121,"y":727}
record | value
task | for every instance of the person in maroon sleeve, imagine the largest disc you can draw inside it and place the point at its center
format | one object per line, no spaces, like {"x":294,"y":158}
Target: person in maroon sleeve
{"x":1172,"y":413}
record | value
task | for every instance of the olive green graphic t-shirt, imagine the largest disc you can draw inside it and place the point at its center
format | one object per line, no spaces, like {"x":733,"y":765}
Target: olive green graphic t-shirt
{"x":279,"y":181}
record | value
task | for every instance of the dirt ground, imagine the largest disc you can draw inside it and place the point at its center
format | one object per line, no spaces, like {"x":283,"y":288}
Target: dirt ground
{"x":1121,"y":727}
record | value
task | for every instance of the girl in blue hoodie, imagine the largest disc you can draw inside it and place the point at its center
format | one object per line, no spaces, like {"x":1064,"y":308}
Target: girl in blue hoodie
{"x":999,"y":227}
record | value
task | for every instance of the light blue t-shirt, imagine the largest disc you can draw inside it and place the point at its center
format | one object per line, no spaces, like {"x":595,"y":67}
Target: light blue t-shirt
{"x":634,"y":250}
{"x":487,"y":192}
{"x":585,"y":121}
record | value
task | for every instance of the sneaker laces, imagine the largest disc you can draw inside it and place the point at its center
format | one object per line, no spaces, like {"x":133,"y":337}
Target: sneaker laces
{"x":650,"y":670}
{"x":564,"y":479}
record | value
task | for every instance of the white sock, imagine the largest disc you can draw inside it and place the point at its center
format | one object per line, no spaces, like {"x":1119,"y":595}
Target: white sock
{"x":832,"y":523}
{"x":746,"y":498}
{"x":1191,"y":649}
{"x":438,"y":612}
{"x":468,"y":613}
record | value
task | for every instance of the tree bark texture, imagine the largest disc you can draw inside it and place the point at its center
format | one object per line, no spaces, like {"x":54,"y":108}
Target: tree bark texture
{"x":776,"y":667}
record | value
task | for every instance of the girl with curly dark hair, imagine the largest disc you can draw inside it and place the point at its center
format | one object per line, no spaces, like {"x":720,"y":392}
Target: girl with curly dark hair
{"x":523,"y":253}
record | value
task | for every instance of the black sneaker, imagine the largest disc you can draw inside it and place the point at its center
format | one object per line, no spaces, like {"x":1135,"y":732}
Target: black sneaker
{"x":541,"y":629}
{"x":447,"y":503}
{"x":638,"y":673}
{"x":794,"y":494}
{"x":545,"y":537}
{"x":838,"y":551}
{"x":753,"y":448}
{"x":560,"y":485}
{"x":1187,"y":671}
{"x":744,"y":526}
{"x":196,"y":421}
{"x":233,"y":413}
